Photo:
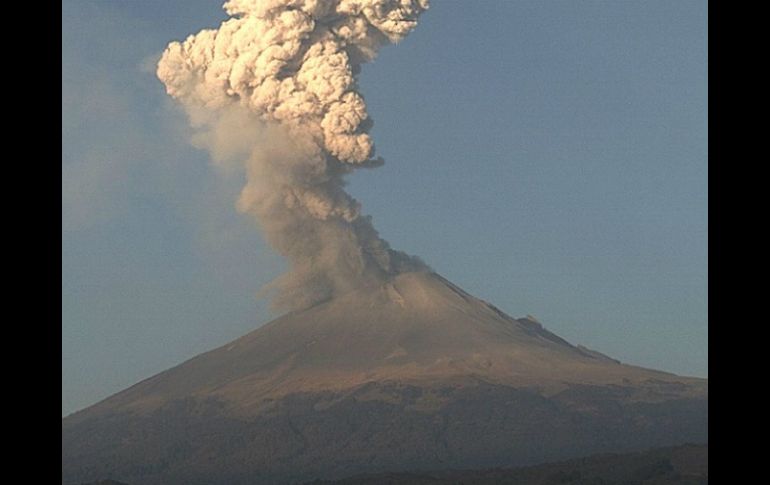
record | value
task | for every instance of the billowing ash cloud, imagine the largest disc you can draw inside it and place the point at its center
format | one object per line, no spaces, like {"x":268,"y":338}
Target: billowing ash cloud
{"x":275,"y":86}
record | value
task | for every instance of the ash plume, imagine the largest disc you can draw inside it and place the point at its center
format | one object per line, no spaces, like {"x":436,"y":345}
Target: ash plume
{"x":275,"y":89}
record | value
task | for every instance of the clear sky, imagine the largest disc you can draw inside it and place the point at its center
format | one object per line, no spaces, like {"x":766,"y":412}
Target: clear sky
{"x":548,"y":157}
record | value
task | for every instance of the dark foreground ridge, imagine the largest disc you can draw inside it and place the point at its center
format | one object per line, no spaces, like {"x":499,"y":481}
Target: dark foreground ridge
{"x":103,"y":482}
{"x":681,"y":465}
{"x":414,"y":374}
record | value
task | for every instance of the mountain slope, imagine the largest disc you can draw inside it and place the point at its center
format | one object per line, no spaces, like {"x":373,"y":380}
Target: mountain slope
{"x":681,"y":465}
{"x":385,"y":377}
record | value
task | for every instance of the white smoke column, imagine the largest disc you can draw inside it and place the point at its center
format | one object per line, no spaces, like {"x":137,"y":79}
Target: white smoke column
{"x":276,"y":85}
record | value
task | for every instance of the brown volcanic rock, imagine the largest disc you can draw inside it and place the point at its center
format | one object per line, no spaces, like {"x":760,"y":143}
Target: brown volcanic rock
{"x":412,"y":374}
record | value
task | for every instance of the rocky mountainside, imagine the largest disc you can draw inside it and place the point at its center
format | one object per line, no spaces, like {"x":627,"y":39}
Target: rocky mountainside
{"x":680,"y":465}
{"x":407,"y":375}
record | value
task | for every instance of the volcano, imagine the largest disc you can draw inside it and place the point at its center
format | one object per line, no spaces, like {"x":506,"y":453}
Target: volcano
{"x":409,"y":374}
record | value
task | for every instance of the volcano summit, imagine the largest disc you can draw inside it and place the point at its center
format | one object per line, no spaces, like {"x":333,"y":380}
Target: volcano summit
{"x":410,"y":374}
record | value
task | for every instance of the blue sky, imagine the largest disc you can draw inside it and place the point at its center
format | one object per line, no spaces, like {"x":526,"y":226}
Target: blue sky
{"x":548,"y":157}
